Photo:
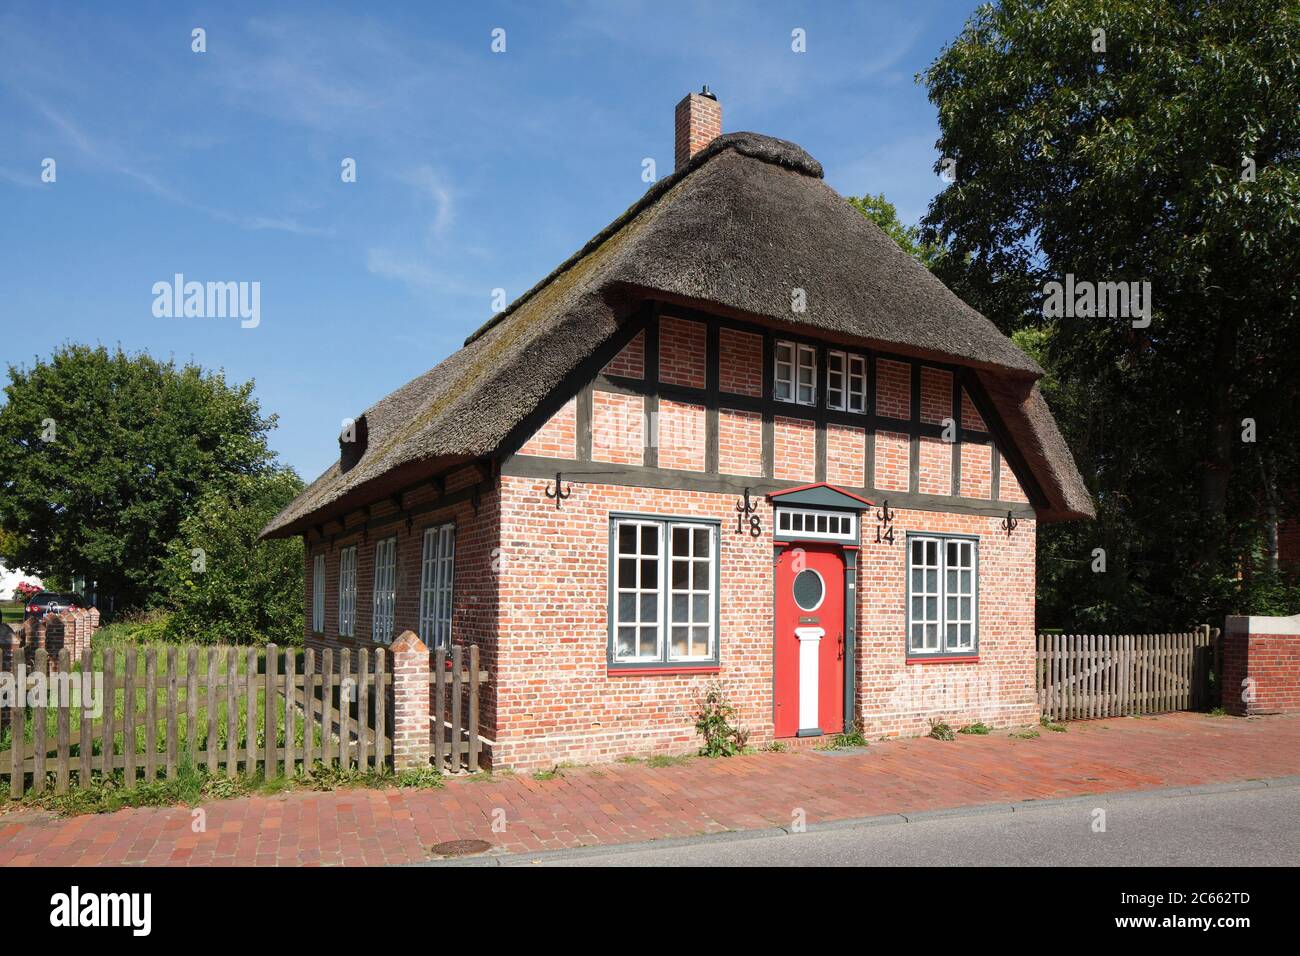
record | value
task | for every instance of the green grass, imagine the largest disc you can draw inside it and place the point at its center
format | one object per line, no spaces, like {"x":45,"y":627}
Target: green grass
{"x":1051,"y":725}
{"x":978,"y":729}
{"x":665,"y":760}
{"x":1024,"y":734}
{"x":156,"y":738}
{"x":193,"y":785}
{"x":11,"y":612}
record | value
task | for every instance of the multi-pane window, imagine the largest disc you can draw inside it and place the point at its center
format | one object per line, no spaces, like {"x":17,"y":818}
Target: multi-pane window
{"x":804,"y":523}
{"x":318,"y":593}
{"x":664,"y":597}
{"x":846,"y":382}
{"x":795,"y":377}
{"x":348,"y":591}
{"x":385,"y":594}
{"x":436,"y":573}
{"x":941,"y":597}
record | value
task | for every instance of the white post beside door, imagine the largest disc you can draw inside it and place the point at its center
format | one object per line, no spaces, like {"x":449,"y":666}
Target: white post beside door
{"x":810,"y":639}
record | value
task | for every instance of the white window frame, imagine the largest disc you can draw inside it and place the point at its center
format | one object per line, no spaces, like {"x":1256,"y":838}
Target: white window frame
{"x":791,"y":360}
{"x":846,"y":385}
{"x":348,"y":591}
{"x":384,"y":597}
{"x":824,"y":525}
{"x":938,"y":625}
{"x":665,"y":596}
{"x":437,"y":575}
{"x":318,"y":593}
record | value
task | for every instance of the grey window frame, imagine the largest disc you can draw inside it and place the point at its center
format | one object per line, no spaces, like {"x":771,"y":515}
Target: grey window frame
{"x":348,"y":591}
{"x":318,"y":577}
{"x":664,"y":659}
{"x":444,"y":599}
{"x":377,"y":602}
{"x":942,"y":650}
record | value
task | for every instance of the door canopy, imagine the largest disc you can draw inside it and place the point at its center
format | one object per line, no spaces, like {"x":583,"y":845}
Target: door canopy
{"x":819,"y":495}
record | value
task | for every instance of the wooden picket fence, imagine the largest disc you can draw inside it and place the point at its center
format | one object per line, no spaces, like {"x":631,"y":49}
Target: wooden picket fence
{"x":224,"y":709}
{"x":1081,"y":676}
{"x":454,"y":707}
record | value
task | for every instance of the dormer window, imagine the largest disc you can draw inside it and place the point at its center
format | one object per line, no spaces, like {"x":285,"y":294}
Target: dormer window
{"x":352,"y":441}
{"x":846,"y":382}
{"x":795,"y":374}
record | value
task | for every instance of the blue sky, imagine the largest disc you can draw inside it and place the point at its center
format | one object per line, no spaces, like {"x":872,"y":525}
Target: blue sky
{"x":475,"y":170}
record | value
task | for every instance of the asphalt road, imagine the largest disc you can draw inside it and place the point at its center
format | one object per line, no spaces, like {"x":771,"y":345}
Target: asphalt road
{"x":1242,"y":824}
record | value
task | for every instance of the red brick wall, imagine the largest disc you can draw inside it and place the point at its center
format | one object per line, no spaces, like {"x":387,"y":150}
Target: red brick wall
{"x":897,"y":698}
{"x":936,"y":395}
{"x":740,"y":442}
{"x":558,"y":702}
{"x":1261,"y":671}
{"x":794,"y":448}
{"x":846,"y":455}
{"x":740,"y":362}
{"x":558,"y":437}
{"x":681,"y":435}
{"x":617,"y":428}
{"x":893,"y":389}
{"x":970,"y":417}
{"x":934,"y":476}
{"x":893,"y":454}
{"x":682,"y":346}
{"x":1008,"y":486}
{"x":630,"y":362}
{"x":976,"y":471}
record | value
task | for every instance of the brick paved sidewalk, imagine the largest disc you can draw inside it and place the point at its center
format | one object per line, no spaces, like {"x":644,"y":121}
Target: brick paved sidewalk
{"x":629,"y":802}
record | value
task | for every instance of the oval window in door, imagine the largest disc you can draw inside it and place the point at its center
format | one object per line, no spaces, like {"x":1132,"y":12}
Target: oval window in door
{"x":809,"y":589}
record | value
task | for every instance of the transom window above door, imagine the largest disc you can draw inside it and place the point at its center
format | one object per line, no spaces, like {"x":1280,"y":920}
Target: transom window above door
{"x":663,"y":591}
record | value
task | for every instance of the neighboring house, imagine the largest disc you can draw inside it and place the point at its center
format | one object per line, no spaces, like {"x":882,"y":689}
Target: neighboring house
{"x":11,"y":579}
{"x":570,"y":489}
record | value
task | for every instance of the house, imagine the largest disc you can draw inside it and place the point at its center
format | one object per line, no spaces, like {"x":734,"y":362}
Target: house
{"x":738,"y":436}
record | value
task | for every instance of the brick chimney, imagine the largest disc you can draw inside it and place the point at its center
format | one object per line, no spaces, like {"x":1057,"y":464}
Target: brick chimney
{"x":698,"y":123}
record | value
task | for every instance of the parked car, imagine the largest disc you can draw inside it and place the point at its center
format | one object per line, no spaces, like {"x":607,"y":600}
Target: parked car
{"x":52,"y":602}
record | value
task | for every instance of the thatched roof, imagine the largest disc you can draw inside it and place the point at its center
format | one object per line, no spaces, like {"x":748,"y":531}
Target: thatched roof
{"x":733,"y":231}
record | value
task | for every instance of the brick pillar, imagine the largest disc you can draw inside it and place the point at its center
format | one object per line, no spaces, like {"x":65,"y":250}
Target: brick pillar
{"x":1261,"y":665}
{"x":93,"y":614}
{"x":411,"y":736}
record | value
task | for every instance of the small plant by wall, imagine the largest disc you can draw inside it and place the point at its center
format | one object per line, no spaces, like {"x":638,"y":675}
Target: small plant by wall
{"x":713,"y":716}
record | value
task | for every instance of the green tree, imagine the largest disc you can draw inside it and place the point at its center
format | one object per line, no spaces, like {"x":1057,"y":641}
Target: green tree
{"x":103,"y":454}
{"x":883,"y":213}
{"x":1141,"y":140}
{"x":220,"y":582}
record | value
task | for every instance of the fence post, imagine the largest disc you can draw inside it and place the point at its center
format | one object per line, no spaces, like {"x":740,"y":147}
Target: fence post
{"x":410,"y":702}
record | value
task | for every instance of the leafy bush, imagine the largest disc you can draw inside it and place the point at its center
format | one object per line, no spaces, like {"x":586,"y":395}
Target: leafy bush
{"x":941,"y":731}
{"x":979,"y":729}
{"x":713,"y":717}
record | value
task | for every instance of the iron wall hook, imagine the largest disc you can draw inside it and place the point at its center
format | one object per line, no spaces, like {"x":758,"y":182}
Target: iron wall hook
{"x":558,"y":493}
{"x":1009,"y":523}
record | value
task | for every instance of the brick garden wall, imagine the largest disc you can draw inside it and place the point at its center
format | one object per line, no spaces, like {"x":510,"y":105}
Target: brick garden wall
{"x":1261,"y":665}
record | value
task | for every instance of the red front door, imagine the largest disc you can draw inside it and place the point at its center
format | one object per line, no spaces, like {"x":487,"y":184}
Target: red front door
{"x":809,"y":640}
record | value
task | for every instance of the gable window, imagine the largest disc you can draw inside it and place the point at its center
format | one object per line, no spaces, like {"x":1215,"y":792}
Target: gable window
{"x":846,"y":382}
{"x":795,"y":374}
{"x":318,"y":593}
{"x":664,"y":591}
{"x":348,"y":592}
{"x":436,"y":574}
{"x":942,"y":590}
{"x":385,"y":596}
